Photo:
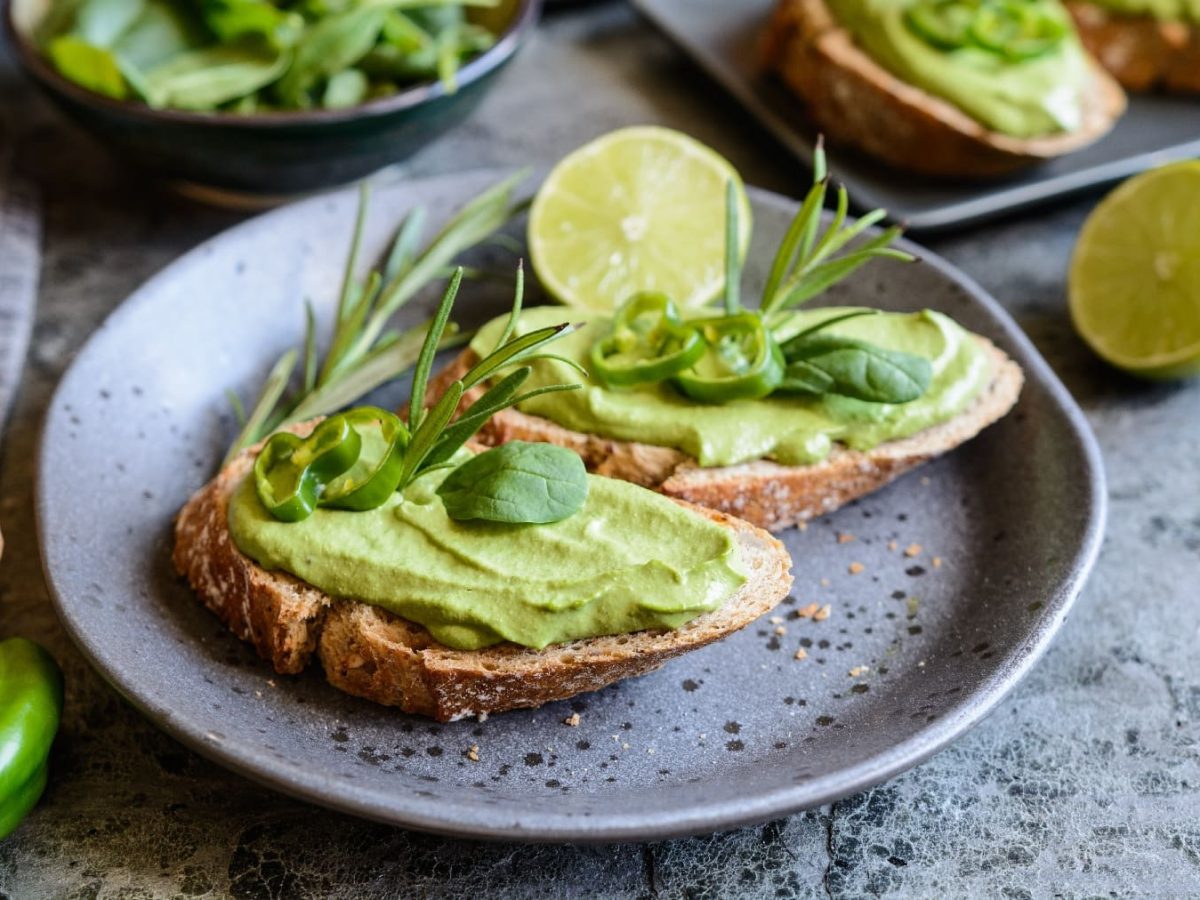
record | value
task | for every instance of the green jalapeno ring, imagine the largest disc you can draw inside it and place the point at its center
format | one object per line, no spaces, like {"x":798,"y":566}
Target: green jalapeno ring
{"x":746,"y":375}
{"x":1017,"y":30}
{"x":648,"y":343}
{"x":355,"y":491}
{"x":945,"y":24}
{"x":291,"y":472}
{"x":615,"y":366}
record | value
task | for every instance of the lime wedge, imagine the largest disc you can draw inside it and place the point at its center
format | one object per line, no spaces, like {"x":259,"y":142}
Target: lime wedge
{"x":1135,"y":275}
{"x":639,"y":209}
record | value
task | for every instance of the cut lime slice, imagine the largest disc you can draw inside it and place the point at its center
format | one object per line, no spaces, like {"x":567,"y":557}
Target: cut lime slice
{"x":1135,"y":275}
{"x":640,"y":209}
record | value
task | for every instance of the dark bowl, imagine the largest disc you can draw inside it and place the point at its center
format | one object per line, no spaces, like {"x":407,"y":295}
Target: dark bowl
{"x":273,"y":154}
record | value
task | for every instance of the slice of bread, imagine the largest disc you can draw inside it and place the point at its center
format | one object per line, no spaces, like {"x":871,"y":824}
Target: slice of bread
{"x":371,"y":653}
{"x":855,"y":101}
{"x":1141,"y":52}
{"x":764,"y":493}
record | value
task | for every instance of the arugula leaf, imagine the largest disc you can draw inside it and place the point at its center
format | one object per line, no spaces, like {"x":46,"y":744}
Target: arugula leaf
{"x":517,"y":483}
{"x":852,"y":368}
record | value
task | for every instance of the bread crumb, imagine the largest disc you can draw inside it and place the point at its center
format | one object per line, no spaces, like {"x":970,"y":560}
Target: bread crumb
{"x":801,"y":653}
{"x":925,"y":480}
{"x":912,"y":550}
{"x":802,"y":526}
{"x":823,"y":613}
{"x":481,"y":716}
{"x":859,"y":670}
{"x":625,"y":746}
{"x":811,"y":610}
{"x":780,"y":630}
{"x":473,"y":753}
{"x":572,"y":720}
{"x":857,"y":568}
{"x":921,"y":664}
{"x":892,"y":545}
{"x":844,"y":538}
{"x":776,"y":620}
{"x":937,"y":562}
{"x":271,"y":682}
{"x":824,"y":582}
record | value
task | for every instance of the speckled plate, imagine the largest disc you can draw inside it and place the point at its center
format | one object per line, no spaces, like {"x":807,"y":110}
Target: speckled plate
{"x":918,"y":647}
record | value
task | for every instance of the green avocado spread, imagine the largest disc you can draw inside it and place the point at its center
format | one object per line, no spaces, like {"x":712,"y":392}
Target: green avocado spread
{"x":1026,"y":98}
{"x":792,"y":430}
{"x":1164,"y":10}
{"x":629,"y":560}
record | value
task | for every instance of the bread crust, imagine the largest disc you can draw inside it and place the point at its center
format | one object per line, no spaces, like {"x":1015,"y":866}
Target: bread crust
{"x":855,"y":101}
{"x":371,"y":653}
{"x":764,"y":493}
{"x":1143,"y":53}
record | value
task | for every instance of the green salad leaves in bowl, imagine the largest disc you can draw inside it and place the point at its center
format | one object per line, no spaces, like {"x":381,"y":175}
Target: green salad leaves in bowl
{"x":266,"y":97}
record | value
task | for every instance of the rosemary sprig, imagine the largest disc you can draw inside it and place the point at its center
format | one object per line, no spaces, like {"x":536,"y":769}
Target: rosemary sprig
{"x":807,"y":262}
{"x":434,"y":438}
{"x":363,"y":352}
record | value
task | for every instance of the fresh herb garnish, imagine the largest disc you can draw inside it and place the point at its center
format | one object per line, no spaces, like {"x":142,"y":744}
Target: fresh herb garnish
{"x":517,"y":483}
{"x":742,"y":356}
{"x":259,"y":55}
{"x":363,"y":352}
{"x":296,"y":475}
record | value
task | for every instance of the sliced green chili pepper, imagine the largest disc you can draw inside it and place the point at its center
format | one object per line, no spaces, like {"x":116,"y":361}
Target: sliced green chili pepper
{"x":375,"y":475}
{"x":1017,"y":29}
{"x":291,"y":473}
{"x":743,"y":361}
{"x":946,"y":24}
{"x":31,"y":699}
{"x":648,"y":343}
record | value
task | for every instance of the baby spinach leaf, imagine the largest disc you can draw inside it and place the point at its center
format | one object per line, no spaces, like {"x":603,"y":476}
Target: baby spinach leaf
{"x":346,"y":88}
{"x":232,"y":19}
{"x":801,"y":377}
{"x":206,"y":78}
{"x":517,"y":483}
{"x":101,"y":22}
{"x":161,"y":31}
{"x":89,"y":66}
{"x":858,"y":369}
{"x":333,"y":44}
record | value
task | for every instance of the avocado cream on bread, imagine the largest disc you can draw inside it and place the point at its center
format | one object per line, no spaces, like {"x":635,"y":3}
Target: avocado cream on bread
{"x":461,"y":559}
{"x":955,"y":88}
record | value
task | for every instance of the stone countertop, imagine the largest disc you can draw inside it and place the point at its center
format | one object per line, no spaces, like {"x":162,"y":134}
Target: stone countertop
{"x":1086,"y":781}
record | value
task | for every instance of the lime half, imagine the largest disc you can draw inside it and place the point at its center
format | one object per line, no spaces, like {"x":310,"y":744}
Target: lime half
{"x":1135,"y":274}
{"x":639,"y":209}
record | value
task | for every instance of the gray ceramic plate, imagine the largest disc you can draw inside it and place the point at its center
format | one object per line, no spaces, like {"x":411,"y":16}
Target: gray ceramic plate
{"x":735,"y":733}
{"x":724,"y":39}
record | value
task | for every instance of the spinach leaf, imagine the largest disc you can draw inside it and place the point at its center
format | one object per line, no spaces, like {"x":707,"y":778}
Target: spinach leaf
{"x":855,"y":369}
{"x":333,"y":44}
{"x":517,"y":483}
{"x":89,"y":66}
{"x":206,"y":78}
{"x":347,"y":88}
{"x":160,"y":32}
{"x":232,"y":19}
{"x":101,"y":22}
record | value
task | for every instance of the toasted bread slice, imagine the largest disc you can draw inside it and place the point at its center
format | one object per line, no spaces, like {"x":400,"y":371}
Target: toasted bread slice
{"x":1143,"y":53}
{"x":371,"y":653}
{"x":855,"y":101}
{"x":764,"y":493}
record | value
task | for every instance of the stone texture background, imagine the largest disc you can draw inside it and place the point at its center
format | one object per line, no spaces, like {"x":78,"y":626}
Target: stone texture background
{"x":1086,"y":782}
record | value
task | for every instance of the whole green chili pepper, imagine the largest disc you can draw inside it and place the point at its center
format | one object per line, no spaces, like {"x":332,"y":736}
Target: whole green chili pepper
{"x":31,"y":700}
